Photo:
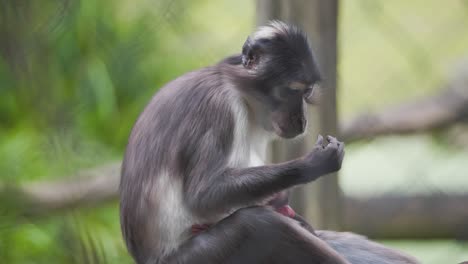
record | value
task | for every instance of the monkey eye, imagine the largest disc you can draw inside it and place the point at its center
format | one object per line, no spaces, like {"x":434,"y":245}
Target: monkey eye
{"x":292,"y":89}
{"x":286,"y":91}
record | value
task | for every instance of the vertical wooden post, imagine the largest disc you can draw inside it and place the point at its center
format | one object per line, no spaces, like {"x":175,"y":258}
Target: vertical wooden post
{"x":319,"y":202}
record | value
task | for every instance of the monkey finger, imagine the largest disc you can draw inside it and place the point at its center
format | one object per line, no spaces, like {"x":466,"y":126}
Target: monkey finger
{"x":331,"y":139}
{"x":333,"y":143}
{"x":319,"y":140}
{"x":341,"y":155}
{"x":341,"y":146}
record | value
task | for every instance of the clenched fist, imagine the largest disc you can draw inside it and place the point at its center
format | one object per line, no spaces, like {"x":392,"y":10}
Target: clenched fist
{"x":323,"y":159}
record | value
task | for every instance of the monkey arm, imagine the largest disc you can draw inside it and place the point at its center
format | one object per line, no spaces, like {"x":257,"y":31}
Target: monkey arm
{"x":217,"y":189}
{"x":236,"y":188}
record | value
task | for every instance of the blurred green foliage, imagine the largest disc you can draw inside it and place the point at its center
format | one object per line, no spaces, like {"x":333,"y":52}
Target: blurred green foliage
{"x":79,"y":66}
{"x":75,"y":74}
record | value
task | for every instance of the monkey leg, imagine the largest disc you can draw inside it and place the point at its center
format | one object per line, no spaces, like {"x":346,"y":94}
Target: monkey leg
{"x":304,"y":224}
{"x":359,"y":250}
{"x":255,"y":235}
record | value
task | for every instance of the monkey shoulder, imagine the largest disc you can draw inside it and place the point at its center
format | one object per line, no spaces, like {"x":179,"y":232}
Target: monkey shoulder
{"x":190,"y":117}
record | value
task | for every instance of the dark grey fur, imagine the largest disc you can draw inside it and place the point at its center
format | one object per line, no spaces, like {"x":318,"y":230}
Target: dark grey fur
{"x":190,"y":160}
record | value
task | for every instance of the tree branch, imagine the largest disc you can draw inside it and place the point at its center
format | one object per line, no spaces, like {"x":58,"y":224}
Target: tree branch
{"x":87,"y":188}
{"x":388,"y":216}
{"x":433,"y":112}
{"x":416,"y":216}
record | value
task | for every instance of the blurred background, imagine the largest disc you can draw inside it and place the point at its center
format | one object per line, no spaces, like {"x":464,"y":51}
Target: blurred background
{"x":74,"y":75}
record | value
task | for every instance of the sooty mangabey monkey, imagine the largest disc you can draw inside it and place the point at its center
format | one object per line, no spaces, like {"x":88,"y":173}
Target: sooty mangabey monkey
{"x":194,"y":186}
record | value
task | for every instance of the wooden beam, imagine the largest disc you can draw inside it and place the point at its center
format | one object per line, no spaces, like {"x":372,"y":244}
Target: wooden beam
{"x":428,"y":216}
{"x":318,"y":202}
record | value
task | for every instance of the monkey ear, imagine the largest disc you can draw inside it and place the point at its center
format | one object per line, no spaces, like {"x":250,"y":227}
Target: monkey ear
{"x":249,"y":54}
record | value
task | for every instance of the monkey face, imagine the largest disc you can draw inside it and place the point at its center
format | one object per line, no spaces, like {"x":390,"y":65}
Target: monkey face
{"x":283,"y":98}
{"x":288,"y":113}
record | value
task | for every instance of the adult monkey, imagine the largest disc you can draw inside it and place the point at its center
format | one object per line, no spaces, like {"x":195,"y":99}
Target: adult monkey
{"x":194,"y":187}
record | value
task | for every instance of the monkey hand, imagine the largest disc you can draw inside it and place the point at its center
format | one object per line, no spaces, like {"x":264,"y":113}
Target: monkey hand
{"x":323,"y":159}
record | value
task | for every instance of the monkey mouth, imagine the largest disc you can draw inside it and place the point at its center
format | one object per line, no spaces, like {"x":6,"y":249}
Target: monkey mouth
{"x":285,"y":133}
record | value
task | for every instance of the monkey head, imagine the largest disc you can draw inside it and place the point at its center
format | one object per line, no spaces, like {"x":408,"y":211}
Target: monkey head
{"x":284,"y":74}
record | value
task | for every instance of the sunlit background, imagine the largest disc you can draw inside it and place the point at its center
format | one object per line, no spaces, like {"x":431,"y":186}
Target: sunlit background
{"x":75,"y":74}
